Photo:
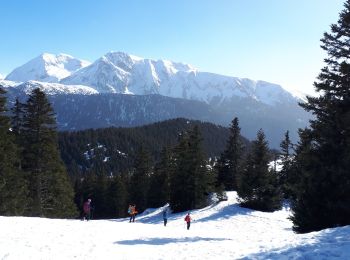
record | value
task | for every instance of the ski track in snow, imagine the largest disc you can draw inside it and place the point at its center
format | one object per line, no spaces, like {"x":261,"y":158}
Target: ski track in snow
{"x":221,"y":231}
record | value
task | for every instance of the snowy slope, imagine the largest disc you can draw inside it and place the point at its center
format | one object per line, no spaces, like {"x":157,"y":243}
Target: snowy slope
{"x":48,"y":88}
{"x":47,"y":68}
{"x":118,"y":72}
{"x":222,"y":231}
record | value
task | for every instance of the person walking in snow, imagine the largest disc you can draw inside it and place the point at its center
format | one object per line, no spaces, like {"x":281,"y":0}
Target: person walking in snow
{"x":165,"y":217}
{"x":87,"y":210}
{"x":132,"y":212}
{"x":129,"y":211}
{"x":188,"y":220}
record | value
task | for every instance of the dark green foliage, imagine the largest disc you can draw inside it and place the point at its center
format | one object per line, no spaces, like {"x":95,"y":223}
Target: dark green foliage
{"x":229,"y":164}
{"x":179,"y":194}
{"x":85,"y":151}
{"x":118,"y":197}
{"x":191,"y":181}
{"x":323,"y":194}
{"x":159,"y":193}
{"x":139,"y":182}
{"x":13,"y":188}
{"x":258,"y":187}
{"x":286,"y":178}
{"x":50,"y":193}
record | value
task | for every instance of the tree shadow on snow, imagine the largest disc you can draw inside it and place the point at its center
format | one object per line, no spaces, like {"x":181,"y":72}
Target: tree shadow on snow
{"x":330,"y":244}
{"x":163,"y":241}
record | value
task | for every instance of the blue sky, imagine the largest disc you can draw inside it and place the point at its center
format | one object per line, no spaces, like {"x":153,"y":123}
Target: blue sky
{"x":272,"y":40}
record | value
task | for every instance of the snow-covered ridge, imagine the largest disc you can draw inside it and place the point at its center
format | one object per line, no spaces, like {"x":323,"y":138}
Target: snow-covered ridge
{"x":119,"y":72}
{"x":220,"y":231}
{"x":47,"y":68}
{"x":48,"y":88}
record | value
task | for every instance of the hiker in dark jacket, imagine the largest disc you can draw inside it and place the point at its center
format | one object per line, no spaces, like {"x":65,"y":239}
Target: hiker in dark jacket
{"x":165,"y":217}
{"x":87,"y":210}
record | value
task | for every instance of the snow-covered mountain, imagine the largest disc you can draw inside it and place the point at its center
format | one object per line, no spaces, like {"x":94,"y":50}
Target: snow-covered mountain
{"x":47,"y":68}
{"x":220,"y":231}
{"x":157,"y":90}
{"x":118,"y":72}
{"x":49,"y":88}
{"x":1,"y":76}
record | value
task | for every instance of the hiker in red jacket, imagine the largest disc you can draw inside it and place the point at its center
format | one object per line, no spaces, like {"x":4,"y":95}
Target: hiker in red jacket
{"x":188,"y":220}
{"x":87,"y":210}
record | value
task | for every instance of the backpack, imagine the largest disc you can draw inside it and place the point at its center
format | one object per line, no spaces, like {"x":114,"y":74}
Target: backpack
{"x":86,"y":207}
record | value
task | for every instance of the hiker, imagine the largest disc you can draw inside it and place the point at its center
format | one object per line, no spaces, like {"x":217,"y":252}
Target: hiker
{"x":165,"y":217}
{"x":87,"y":210}
{"x":132,"y":212}
{"x":188,"y":220}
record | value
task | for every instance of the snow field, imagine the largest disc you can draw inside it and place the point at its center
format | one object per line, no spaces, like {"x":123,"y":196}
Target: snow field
{"x":221,"y":231}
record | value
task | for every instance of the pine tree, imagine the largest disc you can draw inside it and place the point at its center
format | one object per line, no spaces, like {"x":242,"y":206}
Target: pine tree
{"x":16,"y":126}
{"x":160,"y":180}
{"x":285,"y":175}
{"x":17,"y":117}
{"x":229,"y":163}
{"x":325,"y":187}
{"x":13,"y":189}
{"x":51,"y":194}
{"x":101,"y":200}
{"x":139,"y":182}
{"x":258,"y":187}
{"x":180,"y":198}
{"x":191,"y":182}
{"x":118,"y":196}
{"x":202,"y":180}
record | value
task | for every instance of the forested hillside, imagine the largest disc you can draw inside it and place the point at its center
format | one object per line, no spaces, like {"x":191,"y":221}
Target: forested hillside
{"x":112,"y":150}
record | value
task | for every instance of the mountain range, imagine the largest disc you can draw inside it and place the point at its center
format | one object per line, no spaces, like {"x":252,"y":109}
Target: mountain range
{"x":119,"y":89}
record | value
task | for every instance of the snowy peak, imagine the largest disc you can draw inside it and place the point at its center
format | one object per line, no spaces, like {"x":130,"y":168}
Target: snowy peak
{"x":47,"y":68}
{"x":119,"y":72}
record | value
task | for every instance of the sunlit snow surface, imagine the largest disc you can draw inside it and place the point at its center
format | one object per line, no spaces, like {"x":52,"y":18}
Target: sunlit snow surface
{"x":47,"y":68}
{"x":222,"y":231}
{"x":48,"y":88}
